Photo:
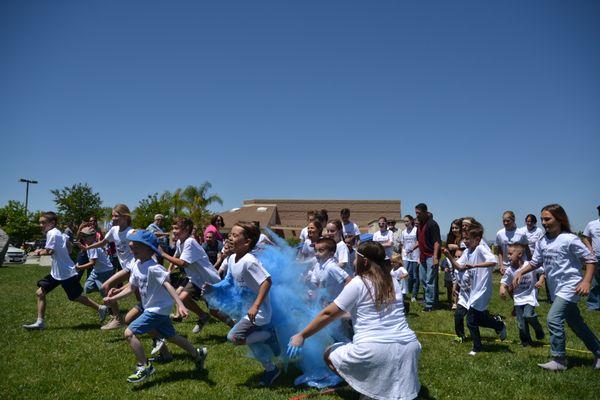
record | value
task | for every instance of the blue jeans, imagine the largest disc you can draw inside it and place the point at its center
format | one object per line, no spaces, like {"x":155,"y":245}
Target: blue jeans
{"x":413,"y":277}
{"x":428,"y":275}
{"x":593,"y":301}
{"x":526,"y":316}
{"x":566,"y":311}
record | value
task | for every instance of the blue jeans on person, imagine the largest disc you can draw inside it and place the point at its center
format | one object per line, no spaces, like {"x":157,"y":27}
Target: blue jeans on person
{"x":428,"y":274}
{"x":413,"y":277}
{"x":566,"y":311}
{"x":526,"y":316}
{"x":476,"y":319}
{"x":593,"y":300}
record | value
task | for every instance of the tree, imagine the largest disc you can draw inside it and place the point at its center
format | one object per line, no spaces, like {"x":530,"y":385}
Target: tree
{"x":20,"y":225}
{"x":143,"y":215}
{"x":194,"y":201}
{"x":77,"y":203}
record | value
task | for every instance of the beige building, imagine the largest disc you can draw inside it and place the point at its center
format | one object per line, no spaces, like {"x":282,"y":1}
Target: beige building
{"x":288,"y":217}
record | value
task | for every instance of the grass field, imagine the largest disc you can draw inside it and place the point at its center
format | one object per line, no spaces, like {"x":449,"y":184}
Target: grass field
{"x":72,"y":358}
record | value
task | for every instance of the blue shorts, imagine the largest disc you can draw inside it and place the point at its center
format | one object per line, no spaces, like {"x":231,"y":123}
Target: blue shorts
{"x":149,"y":321}
{"x":95,"y":280}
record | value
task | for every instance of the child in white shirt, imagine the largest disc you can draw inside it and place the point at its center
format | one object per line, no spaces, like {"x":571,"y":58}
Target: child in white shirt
{"x":385,"y":238}
{"x":401,"y":275}
{"x":462,"y":279}
{"x":151,"y":281}
{"x":333,"y":230}
{"x":524,"y":294}
{"x":62,"y":272}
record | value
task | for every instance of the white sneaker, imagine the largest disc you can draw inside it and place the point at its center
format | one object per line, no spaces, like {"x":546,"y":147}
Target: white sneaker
{"x":38,"y":325}
{"x":472,"y":353}
{"x":597,"y":363}
{"x":114,"y":323}
{"x":201,"y":357}
{"x":413,"y":299}
{"x":102,"y":313}
{"x":158,"y":346}
{"x":556,"y":365}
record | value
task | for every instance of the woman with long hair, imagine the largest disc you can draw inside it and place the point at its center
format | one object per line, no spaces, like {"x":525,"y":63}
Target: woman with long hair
{"x":382,"y":360}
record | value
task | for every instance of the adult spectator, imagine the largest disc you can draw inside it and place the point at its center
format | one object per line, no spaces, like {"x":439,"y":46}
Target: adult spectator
{"x":212,"y":247}
{"x":591,"y":239}
{"x":93,"y":223}
{"x":349,"y":228}
{"x":385,"y":238}
{"x":163,"y":237}
{"x":533,"y":232}
{"x":216,"y":223}
{"x":428,"y":237}
{"x":510,"y":235}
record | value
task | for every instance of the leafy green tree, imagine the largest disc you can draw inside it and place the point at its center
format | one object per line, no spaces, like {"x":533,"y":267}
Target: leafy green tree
{"x":143,"y":215}
{"x":20,"y":225}
{"x":77,"y":203}
{"x":193,"y":202}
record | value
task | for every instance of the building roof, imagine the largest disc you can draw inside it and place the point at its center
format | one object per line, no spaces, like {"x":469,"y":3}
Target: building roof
{"x":264,"y":214}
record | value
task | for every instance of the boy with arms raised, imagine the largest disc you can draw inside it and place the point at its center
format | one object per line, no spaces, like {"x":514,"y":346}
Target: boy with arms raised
{"x":152,"y":282}
{"x":62,"y":272}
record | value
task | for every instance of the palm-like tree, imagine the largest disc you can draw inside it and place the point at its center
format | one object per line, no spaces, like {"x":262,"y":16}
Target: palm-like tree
{"x":194,"y":200}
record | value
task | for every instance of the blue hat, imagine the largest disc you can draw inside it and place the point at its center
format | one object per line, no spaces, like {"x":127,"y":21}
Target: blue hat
{"x":143,"y":236}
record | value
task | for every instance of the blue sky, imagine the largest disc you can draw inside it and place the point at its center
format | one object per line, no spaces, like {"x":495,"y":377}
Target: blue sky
{"x":472,"y":107}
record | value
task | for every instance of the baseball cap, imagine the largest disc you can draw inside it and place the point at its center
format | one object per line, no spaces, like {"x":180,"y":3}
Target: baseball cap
{"x":143,"y":236}
{"x":88,"y":231}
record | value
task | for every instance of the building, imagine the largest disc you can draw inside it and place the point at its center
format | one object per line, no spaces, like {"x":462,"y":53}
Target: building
{"x":288,"y":217}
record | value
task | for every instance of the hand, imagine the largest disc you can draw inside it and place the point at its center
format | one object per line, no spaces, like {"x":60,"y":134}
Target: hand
{"x":539,"y":284}
{"x":252,"y":311}
{"x":107,"y":300}
{"x":183,"y":311}
{"x":295,"y":346}
{"x":502,"y":292}
{"x":446,"y":252}
{"x":502,"y":270}
{"x":583,"y":288}
{"x":517,"y":278}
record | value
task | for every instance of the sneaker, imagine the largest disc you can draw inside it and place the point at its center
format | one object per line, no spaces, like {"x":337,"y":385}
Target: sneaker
{"x":160,"y":359}
{"x":413,"y":299}
{"x":596,"y":364}
{"x":201,"y":357}
{"x":269,"y":377}
{"x":176,"y":318}
{"x":102,"y":313}
{"x":199,"y":325}
{"x":114,"y":323}
{"x":502,"y":333}
{"x":158,"y":346}
{"x":453,"y":306}
{"x":458,"y":339}
{"x":38,"y":325}
{"x":472,"y":353}
{"x":141,"y":373}
{"x":273,"y":343}
{"x":556,"y":365}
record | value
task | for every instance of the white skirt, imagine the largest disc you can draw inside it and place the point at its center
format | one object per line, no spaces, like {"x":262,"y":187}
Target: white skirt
{"x":380,"y":370}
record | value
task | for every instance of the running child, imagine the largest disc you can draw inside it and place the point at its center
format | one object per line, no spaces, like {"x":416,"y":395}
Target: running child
{"x":524,"y":294}
{"x":62,"y":272}
{"x":508,"y":235}
{"x":255,"y":327}
{"x":480,"y":262}
{"x":151,"y":281}
{"x":563,"y":255}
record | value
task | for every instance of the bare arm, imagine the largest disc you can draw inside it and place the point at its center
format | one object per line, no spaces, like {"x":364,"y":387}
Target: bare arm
{"x":436,"y":251}
{"x":127,"y":290}
{"x":324,"y":318}
{"x":260,"y":297}
{"x":87,"y":265}
{"x":583,"y":288}
{"x":173,"y":260}
{"x":182,"y":309}
{"x":586,"y":241}
{"x":101,"y":243}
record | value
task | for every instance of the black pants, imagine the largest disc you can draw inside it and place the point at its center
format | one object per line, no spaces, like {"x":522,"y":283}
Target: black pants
{"x":459,"y":320}
{"x":475,"y":319}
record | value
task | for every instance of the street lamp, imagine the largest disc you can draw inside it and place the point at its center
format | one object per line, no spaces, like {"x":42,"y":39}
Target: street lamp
{"x":27,"y":182}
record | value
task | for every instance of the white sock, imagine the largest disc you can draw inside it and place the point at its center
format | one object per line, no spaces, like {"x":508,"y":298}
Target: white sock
{"x":39,"y":321}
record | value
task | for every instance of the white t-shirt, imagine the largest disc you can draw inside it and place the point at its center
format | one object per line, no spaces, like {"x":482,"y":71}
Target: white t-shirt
{"x":119,"y":238}
{"x":350,"y":228}
{"x":199,"y":268}
{"x":481,"y":278}
{"x":383,"y":237}
{"x":409,"y":241}
{"x":341,"y":254}
{"x":149,"y":278}
{"x":330,"y":277}
{"x":248,"y":273}
{"x":592,"y":230}
{"x":349,"y":268}
{"x":387,"y":325}
{"x":103,"y":263}
{"x":533,"y":236}
{"x":400,"y":275}
{"x":525,"y":293}
{"x":561,"y":257}
{"x":307,"y":251}
{"x":62,"y":265}
{"x":504,"y":238}
{"x":463,"y":279}
{"x":304,"y":234}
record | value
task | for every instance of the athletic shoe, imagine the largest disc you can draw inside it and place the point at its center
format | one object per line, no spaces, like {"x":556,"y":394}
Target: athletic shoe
{"x":453,"y":306}
{"x":200,"y":325}
{"x":540,"y":335}
{"x":102,"y":313}
{"x":176,"y":318}
{"x":458,"y":339}
{"x":161,"y":359}
{"x":597,"y":363}
{"x":201,"y":357}
{"x":38,"y":325}
{"x":141,"y":373}
{"x":269,"y":377}
{"x":472,"y":353}
{"x":273,"y":343}
{"x":502,"y":333}
{"x":114,"y":323}
{"x":158,"y":346}
{"x":413,"y":299}
{"x":556,"y":365}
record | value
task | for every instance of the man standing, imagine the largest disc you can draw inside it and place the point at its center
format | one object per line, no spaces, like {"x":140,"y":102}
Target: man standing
{"x":163,"y":237}
{"x":428,"y":237}
{"x":591,"y":239}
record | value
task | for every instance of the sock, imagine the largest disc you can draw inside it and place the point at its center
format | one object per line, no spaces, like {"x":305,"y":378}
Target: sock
{"x":39,"y":321}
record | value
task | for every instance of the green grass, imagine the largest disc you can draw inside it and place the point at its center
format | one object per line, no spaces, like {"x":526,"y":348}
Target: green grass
{"x":74,"y":359}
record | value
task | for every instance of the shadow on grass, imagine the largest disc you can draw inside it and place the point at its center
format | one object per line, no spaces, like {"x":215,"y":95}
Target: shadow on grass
{"x":493,"y":347}
{"x":214,"y":339}
{"x":80,"y":327}
{"x":424,"y":394}
{"x":160,"y":378}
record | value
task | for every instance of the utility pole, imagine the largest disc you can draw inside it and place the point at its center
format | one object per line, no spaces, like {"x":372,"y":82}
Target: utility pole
{"x":27,"y":182}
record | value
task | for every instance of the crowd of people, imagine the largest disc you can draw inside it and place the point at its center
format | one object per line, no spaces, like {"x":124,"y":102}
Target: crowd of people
{"x":364,"y":287}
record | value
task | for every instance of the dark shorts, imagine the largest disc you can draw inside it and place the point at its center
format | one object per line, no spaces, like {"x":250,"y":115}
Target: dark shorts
{"x":194,"y":290}
{"x":71,"y":286}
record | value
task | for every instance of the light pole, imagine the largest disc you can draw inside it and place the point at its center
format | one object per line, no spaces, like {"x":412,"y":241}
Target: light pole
{"x":27,"y":182}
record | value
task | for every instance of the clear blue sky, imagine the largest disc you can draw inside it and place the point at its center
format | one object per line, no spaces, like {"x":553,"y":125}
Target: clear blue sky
{"x":472,"y":107}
